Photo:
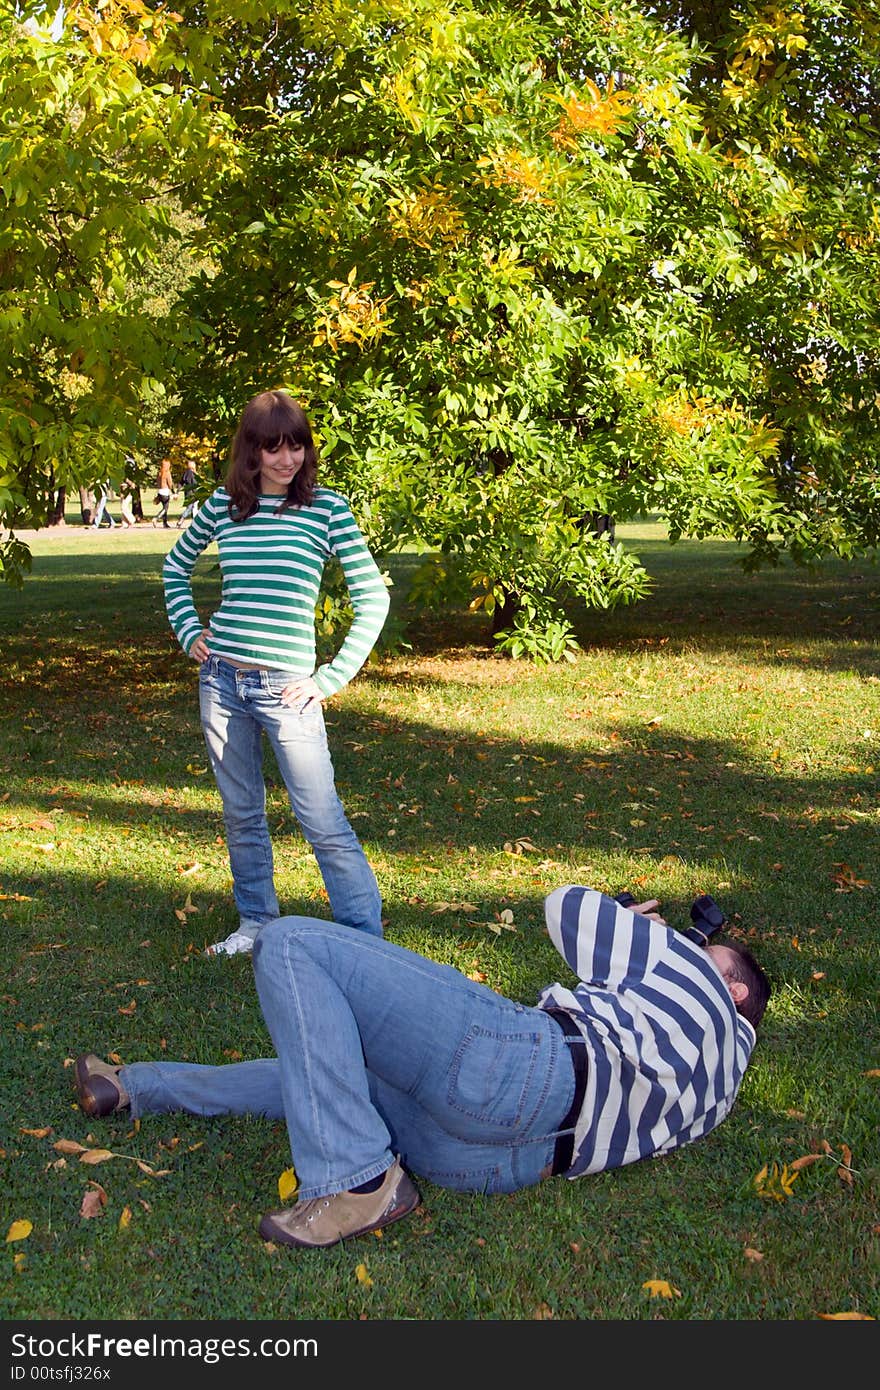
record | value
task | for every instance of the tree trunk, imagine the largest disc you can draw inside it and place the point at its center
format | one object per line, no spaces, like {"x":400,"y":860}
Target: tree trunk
{"x":86,"y":505}
{"x":55,"y":513}
{"x":505,"y":613}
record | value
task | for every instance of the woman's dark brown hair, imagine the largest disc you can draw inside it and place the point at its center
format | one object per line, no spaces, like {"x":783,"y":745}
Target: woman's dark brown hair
{"x":268,"y":420}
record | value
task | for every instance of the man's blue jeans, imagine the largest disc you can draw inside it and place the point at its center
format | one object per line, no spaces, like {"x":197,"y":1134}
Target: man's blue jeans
{"x":382,"y":1052}
{"x":237,"y":706}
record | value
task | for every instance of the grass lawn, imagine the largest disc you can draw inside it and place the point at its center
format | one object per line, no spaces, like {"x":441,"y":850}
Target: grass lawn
{"x":723,"y":737}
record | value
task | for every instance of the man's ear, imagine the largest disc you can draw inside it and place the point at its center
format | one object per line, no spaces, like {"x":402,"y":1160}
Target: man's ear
{"x":739,"y":992}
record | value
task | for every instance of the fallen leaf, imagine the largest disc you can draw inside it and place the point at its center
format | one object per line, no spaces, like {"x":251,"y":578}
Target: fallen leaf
{"x":68,"y":1146}
{"x":115,"y":1058}
{"x":661,"y":1288}
{"x":287,"y":1184}
{"x":846,"y":879}
{"x":19,"y":1230}
{"x":543,"y":1313}
{"x":521,"y":846}
{"x":128,"y":1009}
{"x":93,"y":1156}
{"x":363,"y":1277}
{"x":38,"y":1133}
{"x":19,"y":1260}
{"x":751,"y":1254}
{"x":94,"y":1201}
{"x":840,"y":1317}
{"x":805,"y":1162}
{"x":124,"y":1219}
{"x":774,"y":1182}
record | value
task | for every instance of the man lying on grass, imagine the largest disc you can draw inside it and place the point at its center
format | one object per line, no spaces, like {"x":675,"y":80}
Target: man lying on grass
{"x":387,"y":1061}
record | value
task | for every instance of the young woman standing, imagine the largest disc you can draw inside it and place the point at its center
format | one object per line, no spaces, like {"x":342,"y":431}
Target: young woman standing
{"x":275,"y":530}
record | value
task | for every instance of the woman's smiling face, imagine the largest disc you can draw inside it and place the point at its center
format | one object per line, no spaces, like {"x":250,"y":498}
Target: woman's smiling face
{"x":279,"y":465}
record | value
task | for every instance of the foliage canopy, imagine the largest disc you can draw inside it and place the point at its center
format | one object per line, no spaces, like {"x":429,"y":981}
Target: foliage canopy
{"x":525,"y":263}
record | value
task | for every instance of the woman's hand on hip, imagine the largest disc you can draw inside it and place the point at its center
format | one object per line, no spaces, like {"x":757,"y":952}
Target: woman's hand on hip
{"x":200,"y":651}
{"x":301,"y":693}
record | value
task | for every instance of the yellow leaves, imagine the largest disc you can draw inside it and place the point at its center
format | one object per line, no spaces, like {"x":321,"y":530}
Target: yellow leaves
{"x":128,"y":1009}
{"x":529,"y":175}
{"x":845,"y":879}
{"x":427,"y":217}
{"x":119,"y":29}
{"x":353,"y":315}
{"x":287,"y":1184}
{"x":661,"y":99}
{"x":68,"y":1146}
{"x":661,"y":1288}
{"x":593,"y":113}
{"x":437,"y":908}
{"x":196,"y":771}
{"x":19,"y":1230}
{"x":522,"y":845}
{"x":38,"y":1133}
{"x":775,"y":1183}
{"x":848,"y":1317}
{"x":764,"y":441}
{"x":363,"y":1277}
{"x":124,"y":1219}
{"x":683,"y":416}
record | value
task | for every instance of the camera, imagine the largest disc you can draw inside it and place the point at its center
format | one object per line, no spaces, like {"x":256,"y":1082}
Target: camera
{"x":706,"y":916}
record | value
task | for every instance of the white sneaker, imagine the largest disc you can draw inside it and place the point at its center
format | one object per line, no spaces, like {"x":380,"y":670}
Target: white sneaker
{"x":235,"y":945}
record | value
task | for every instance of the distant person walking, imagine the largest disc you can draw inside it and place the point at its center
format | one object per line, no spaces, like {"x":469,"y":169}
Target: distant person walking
{"x":101,"y":512}
{"x":190,"y":484}
{"x":164,"y":493}
{"x":126,"y":506}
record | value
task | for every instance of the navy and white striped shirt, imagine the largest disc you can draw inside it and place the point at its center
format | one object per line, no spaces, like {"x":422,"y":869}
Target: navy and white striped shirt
{"x":666,"y":1048}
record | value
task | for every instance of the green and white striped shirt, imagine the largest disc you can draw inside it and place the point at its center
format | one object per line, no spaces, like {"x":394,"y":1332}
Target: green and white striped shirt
{"x":271,"y":568}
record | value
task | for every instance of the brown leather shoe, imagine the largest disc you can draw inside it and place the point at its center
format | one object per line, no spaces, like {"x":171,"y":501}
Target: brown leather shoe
{"x":98,"y":1088}
{"x":324,"y":1221}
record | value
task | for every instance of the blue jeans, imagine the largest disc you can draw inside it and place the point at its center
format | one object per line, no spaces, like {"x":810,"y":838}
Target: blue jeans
{"x":383,"y":1052}
{"x":237,"y":706}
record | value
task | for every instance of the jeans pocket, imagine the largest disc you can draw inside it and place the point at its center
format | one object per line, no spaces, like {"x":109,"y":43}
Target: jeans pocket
{"x":492,"y":1077}
{"x":275,"y":683}
{"x":208,"y":678}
